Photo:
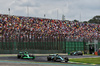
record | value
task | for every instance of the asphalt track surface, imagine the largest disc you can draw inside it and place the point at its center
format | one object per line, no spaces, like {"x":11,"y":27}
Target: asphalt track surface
{"x":41,"y":61}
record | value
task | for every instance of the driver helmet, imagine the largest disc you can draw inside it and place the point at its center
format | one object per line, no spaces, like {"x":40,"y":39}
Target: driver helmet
{"x":56,"y":54}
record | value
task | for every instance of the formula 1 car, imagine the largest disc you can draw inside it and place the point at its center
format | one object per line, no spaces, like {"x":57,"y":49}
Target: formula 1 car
{"x":25,"y":55}
{"x":56,"y":57}
{"x":76,"y":53}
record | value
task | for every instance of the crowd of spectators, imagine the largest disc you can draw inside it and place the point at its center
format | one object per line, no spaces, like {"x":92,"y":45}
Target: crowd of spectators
{"x":14,"y":27}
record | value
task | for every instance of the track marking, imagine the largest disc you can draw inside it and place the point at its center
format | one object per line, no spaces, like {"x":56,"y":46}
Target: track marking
{"x":93,"y":64}
{"x":50,"y":63}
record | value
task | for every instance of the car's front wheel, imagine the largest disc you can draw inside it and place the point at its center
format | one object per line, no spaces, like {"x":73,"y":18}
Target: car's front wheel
{"x":32,"y":56}
{"x":49,"y":58}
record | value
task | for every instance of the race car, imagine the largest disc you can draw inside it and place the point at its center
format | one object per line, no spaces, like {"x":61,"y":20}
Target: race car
{"x":56,"y":57}
{"x":76,"y":53}
{"x":25,"y":55}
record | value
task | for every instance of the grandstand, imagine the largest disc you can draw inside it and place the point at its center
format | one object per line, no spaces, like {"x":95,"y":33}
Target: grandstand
{"x":39,"y":35}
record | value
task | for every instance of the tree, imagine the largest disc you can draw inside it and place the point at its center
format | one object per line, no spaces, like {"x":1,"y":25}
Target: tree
{"x":85,"y":22}
{"x":76,"y":20}
{"x":95,"y":19}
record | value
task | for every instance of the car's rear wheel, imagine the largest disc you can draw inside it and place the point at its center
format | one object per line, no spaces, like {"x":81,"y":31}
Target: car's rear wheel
{"x":66,"y":59}
{"x":18,"y":56}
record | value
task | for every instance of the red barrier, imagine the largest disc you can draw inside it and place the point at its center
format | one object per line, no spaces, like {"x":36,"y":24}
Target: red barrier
{"x":96,"y":53}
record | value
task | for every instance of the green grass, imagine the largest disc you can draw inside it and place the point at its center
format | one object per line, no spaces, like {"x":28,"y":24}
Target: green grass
{"x":87,"y":60}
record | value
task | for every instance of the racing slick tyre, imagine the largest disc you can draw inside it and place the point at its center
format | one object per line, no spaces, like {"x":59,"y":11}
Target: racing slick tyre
{"x":66,"y":59}
{"x":33,"y":56}
{"x":18,"y":56}
{"x":49,"y":58}
{"x":70,"y":54}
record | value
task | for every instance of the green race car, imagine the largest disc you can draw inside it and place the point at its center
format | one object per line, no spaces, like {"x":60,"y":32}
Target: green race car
{"x":56,"y":57}
{"x":76,"y":53}
{"x":25,"y":55}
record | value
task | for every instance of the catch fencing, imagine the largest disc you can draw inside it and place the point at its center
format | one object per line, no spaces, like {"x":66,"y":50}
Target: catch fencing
{"x":37,"y":44}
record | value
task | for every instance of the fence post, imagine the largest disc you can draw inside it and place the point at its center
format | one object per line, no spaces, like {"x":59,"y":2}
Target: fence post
{"x":65,"y":43}
{"x":15,"y":44}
